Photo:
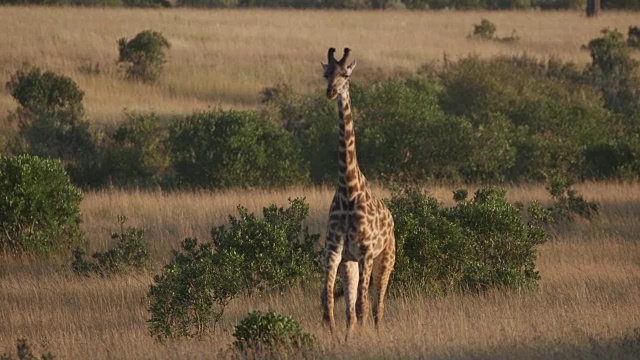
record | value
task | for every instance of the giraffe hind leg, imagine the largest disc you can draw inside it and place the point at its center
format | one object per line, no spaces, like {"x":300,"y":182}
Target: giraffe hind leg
{"x":349,"y":275}
{"x":362,"y":304}
{"x":382,"y":268}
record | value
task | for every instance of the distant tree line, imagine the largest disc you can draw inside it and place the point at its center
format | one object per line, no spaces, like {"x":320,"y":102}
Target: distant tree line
{"x":344,"y":4}
{"x":506,"y":119}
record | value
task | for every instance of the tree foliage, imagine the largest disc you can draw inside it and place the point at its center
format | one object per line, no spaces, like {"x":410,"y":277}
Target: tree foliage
{"x":39,"y":207}
{"x":143,"y":57}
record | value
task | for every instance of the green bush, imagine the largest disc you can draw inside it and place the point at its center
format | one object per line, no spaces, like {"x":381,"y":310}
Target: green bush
{"x":553,"y":116}
{"x":633,"y":37}
{"x":193,"y":290}
{"x":131,"y":252}
{"x":50,"y":115}
{"x":143,"y":57}
{"x":479,"y":243}
{"x":250,"y":255}
{"x":485,"y":30}
{"x":222,"y":149}
{"x":268,"y":332}
{"x":39,"y":208}
{"x":403,"y":135}
{"x":277,"y":250}
{"x":568,"y":203}
{"x":136,"y":154}
{"x":25,"y":352}
{"x":615,"y":72}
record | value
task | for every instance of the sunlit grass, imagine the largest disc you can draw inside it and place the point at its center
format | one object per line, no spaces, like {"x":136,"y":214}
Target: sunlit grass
{"x":226,"y":57}
{"x":585,"y":304}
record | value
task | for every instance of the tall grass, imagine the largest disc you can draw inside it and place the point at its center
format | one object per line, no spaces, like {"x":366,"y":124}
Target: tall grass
{"x":586,"y":306}
{"x":225,"y":57}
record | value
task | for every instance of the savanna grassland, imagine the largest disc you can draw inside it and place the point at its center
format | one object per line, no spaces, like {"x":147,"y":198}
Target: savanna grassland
{"x":226,"y":57}
{"x":587,"y":305}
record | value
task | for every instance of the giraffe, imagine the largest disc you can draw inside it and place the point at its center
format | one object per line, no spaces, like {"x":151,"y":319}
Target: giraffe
{"x":360,"y":242}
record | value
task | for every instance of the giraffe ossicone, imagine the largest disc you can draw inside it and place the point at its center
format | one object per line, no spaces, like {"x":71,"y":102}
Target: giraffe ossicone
{"x":360,"y":242}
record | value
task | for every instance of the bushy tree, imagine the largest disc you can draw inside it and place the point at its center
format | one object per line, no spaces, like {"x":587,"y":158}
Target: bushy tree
{"x":136,"y":154}
{"x":39,"y":207}
{"x":248,"y":255}
{"x":403,"y":134}
{"x":221,"y":149}
{"x":143,"y":57}
{"x":193,"y":290}
{"x":50,"y":116}
{"x":553,"y":116}
{"x":479,"y":243}
{"x":615,"y":72}
{"x":276,"y":250}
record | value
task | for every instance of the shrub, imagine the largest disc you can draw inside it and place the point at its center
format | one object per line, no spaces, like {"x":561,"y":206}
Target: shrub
{"x":136,"y":154}
{"x":552,"y":116}
{"x":221,"y":149}
{"x":633,"y":37}
{"x":39,"y":208}
{"x":50,"y":116}
{"x":615,"y":72}
{"x":143,"y":57}
{"x":25,"y":352}
{"x":269,"y":331}
{"x":479,"y":243}
{"x":251,"y":255}
{"x":485,"y":30}
{"x":567,"y":202}
{"x":276,"y":250}
{"x":193,"y":290}
{"x":130,"y":252}
{"x":403,"y":134}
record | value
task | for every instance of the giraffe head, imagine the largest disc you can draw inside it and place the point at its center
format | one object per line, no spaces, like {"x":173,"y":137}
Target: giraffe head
{"x":337,"y":73}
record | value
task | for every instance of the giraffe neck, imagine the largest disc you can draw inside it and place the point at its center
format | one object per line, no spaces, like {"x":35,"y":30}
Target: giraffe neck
{"x":349,"y":175}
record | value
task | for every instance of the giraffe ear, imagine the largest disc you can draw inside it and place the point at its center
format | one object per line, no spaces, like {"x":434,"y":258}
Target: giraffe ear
{"x":324,"y":66}
{"x":351,"y":67}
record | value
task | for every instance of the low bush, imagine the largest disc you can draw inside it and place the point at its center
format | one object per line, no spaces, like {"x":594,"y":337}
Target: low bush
{"x":24,"y":351}
{"x":249,"y":255}
{"x":485,"y":30}
{"x":221,"y":149}
{"x":143,"y":57}
{"x":568,"y":203}
{"x":615,"y":72}
{"x":136,"y":154}
{"x":479,"y":243}
{"x":633,"y":37}
{"x":131,"y":252}
{"x":277,"y":250}
{"x":268,"y":332}
{"x":39,"y":207}
{"x":50,"y":116}
{"x":191,"y":294}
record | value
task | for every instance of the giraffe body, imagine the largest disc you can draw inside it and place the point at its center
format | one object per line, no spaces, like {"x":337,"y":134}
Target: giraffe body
{"x":360,"y":243}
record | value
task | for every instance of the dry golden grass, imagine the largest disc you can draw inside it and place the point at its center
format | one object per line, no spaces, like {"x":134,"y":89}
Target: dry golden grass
{"x":587,"y":299}
{"x":225,"y":57}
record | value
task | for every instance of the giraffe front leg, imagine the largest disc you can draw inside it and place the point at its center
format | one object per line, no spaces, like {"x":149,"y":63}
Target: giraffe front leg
{"x":362,"y":305}
{"x":333,"y":256}
{"x":349,"y":274}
